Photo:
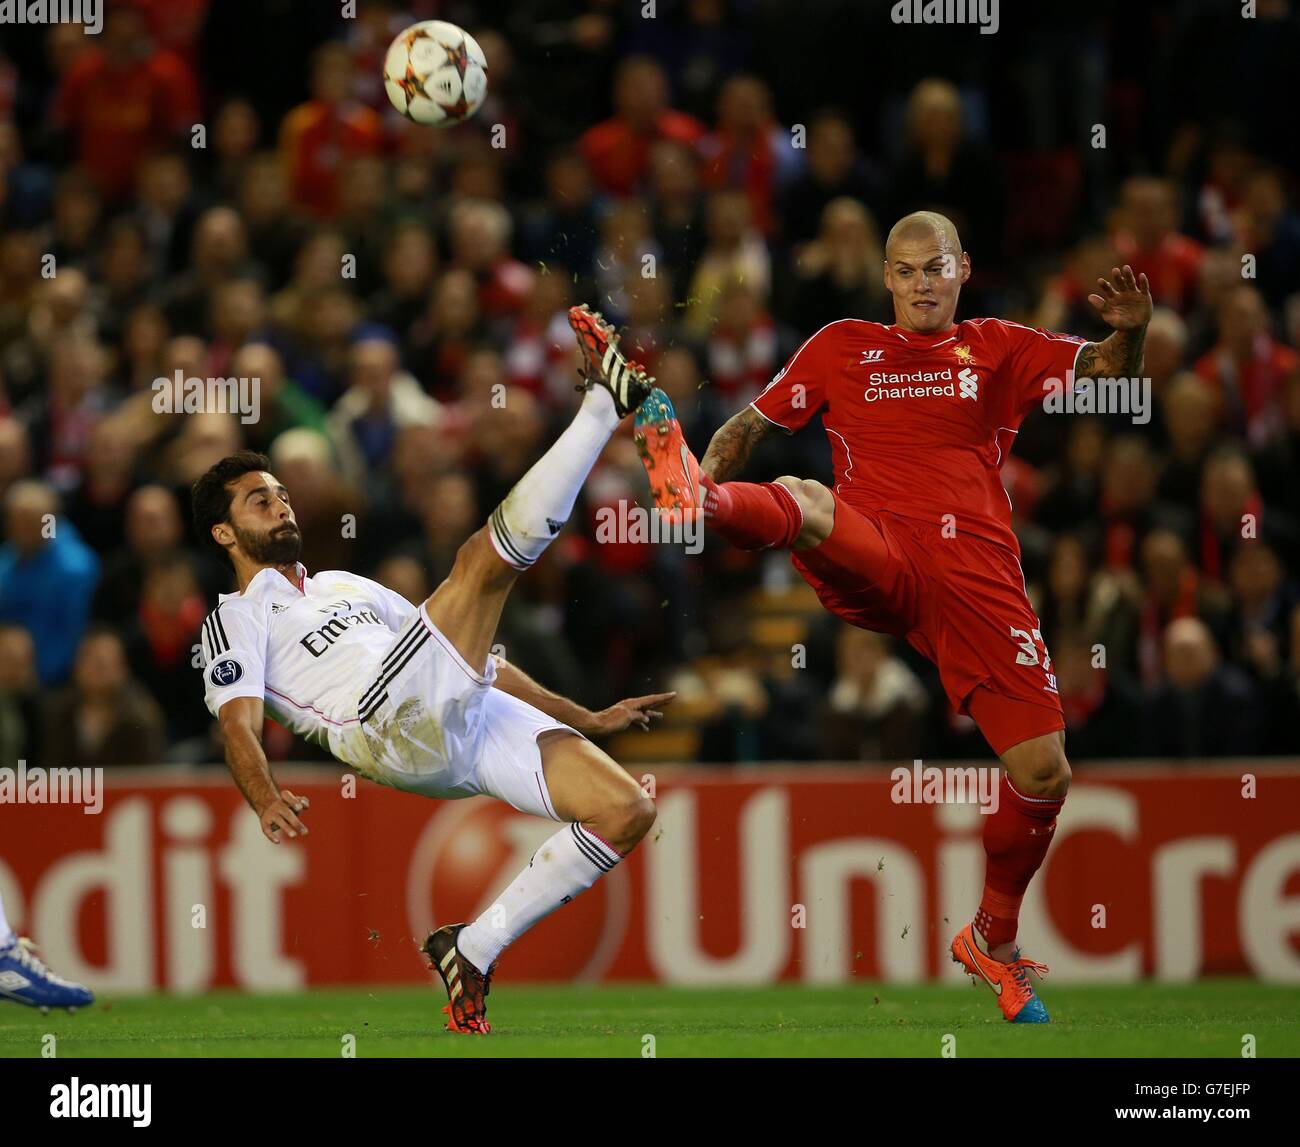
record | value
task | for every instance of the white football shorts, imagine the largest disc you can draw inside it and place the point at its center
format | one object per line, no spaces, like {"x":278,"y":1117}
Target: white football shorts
{"x":432,"y":724}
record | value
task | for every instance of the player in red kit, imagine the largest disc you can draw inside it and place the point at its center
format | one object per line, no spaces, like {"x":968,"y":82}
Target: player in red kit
{"x":915,"y":539}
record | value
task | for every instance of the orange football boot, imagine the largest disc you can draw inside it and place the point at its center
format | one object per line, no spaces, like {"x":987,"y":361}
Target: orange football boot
{"x":674,"y":473}
{"x":1009,"y":982}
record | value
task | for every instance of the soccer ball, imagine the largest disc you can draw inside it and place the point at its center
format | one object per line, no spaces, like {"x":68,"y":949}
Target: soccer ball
{"x":435,"y":73}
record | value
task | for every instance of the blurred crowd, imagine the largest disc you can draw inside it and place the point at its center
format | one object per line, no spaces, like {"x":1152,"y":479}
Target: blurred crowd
{"x":222,"y":191}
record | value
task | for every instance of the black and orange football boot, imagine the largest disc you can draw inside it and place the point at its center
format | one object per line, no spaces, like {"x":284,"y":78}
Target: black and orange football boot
{"x":604,"y":364}
{"x":467,"y":987}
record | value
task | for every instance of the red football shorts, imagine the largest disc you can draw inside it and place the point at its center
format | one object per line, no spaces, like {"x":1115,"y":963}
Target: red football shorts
{"x":959,"y":600}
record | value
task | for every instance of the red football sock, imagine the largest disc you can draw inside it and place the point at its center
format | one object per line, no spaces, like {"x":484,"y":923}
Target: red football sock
{"x":752,"y":515}
{"x":855,"y":543}
{"x":1016,"y":838}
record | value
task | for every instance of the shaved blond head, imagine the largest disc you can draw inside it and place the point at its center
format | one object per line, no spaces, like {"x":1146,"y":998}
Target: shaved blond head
{"x":921,"y":226}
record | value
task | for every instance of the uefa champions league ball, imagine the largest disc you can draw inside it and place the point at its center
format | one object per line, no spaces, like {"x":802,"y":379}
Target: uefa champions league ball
{"x":436,"y":73}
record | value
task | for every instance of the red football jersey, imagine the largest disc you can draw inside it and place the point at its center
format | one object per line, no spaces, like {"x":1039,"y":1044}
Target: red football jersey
{"x":920,"y":424}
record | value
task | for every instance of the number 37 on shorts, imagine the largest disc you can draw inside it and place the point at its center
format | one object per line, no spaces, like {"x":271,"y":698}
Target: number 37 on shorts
{"x":1033,"y":651}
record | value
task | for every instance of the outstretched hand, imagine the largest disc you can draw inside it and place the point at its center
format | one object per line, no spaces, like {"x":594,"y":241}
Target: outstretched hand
{"x":1126,"y":303}
{"x":633,"y":711}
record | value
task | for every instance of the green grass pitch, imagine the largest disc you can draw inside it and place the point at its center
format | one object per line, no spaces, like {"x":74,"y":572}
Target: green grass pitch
{"x":1206,"y":1019}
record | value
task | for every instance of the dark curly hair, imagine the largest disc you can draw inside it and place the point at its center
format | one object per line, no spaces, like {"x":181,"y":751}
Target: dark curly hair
{"x":210,"y":496}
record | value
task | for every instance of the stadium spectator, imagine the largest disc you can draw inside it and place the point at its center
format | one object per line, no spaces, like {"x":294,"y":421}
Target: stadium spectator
{"x":103,"y":717}
{"x":943,"y":168}
{"x":876,"y":706}
{"x":165,"y":207}
{"x":1204,"y":708}
{"x":319,"y":136}
{"x":735,"y":252}
{"x":160,"y":641}
{"x":47,"y":576}
{"x":1271,"y":231}
{"x":539,"y":355}
{"x":618,"y":150}
{"x":1103,"y":711}
{"x":97,"y":505}
{"x":410,"y":263}
{"x":381,"y":398}
{"x":1133,"y":610}
{"x":61,"y":421}
{"x":283,"y":404}
{"x":1163,"y":356}
{"x":72,"y":234}
{"x":838,"y":273}
{"x":742,"y":351}
{"x":275,"y":231}
{"x":1066,"y":608}
{"x":236,"y":129}
{"x":122,"y":98}
{"x":1189,"y":420}
{"x":480,"y":244}
{"x":152,"y":531}
{"x":220,"y":254}
{"x":1148,"y":238}
{"x":627,"y":247}
{"x":1073,"y":484}
{"x":1232,"y":512}
{"x":438,"y":346}
{"x":677,"y":210}
{"x":325,"y":504}
{"x":1247,"y":367}
{"x":749,"y":150}
{"x":834,"y":170}
{"x":58,"y":313}
{"x":449,"y":514}
{"x":561,"y":231}
{"x":1064,"y":304}
{"x":1127,"y":508}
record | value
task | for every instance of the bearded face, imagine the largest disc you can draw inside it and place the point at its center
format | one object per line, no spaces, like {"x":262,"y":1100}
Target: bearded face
{"x":278,"y":546}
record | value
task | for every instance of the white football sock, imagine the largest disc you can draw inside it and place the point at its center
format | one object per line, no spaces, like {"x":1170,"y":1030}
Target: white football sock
{"x":542,"y":500}
{"x":567,"y":864}
{"x":6,"y":933}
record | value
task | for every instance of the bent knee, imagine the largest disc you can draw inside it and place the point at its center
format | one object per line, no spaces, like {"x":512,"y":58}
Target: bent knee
{"x":628,"y":820}
{"x":817,"y":504}
{"x":1045,"y":773}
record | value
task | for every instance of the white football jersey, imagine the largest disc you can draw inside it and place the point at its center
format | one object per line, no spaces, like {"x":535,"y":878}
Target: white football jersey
{"x":307,"y":650}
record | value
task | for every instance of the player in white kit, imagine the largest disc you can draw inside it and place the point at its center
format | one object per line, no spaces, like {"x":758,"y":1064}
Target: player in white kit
{"x":410,"y":696}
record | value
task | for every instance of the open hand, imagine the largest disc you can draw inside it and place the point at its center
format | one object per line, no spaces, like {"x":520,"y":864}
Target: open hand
{"x":1126,"y":303}
{"x":633,"y":711}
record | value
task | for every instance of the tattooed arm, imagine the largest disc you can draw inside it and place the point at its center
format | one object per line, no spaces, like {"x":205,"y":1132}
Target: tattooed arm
{"x":733,"y":443}
{"x":1126,"y":307}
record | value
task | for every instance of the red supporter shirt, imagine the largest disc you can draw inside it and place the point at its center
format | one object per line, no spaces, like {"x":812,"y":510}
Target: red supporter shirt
{"x":921,"y":424}
{"x":619,"y":157}
{"x":1173,"y":269}
{"x":119,"y":114}
{"x":316,"y":139}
